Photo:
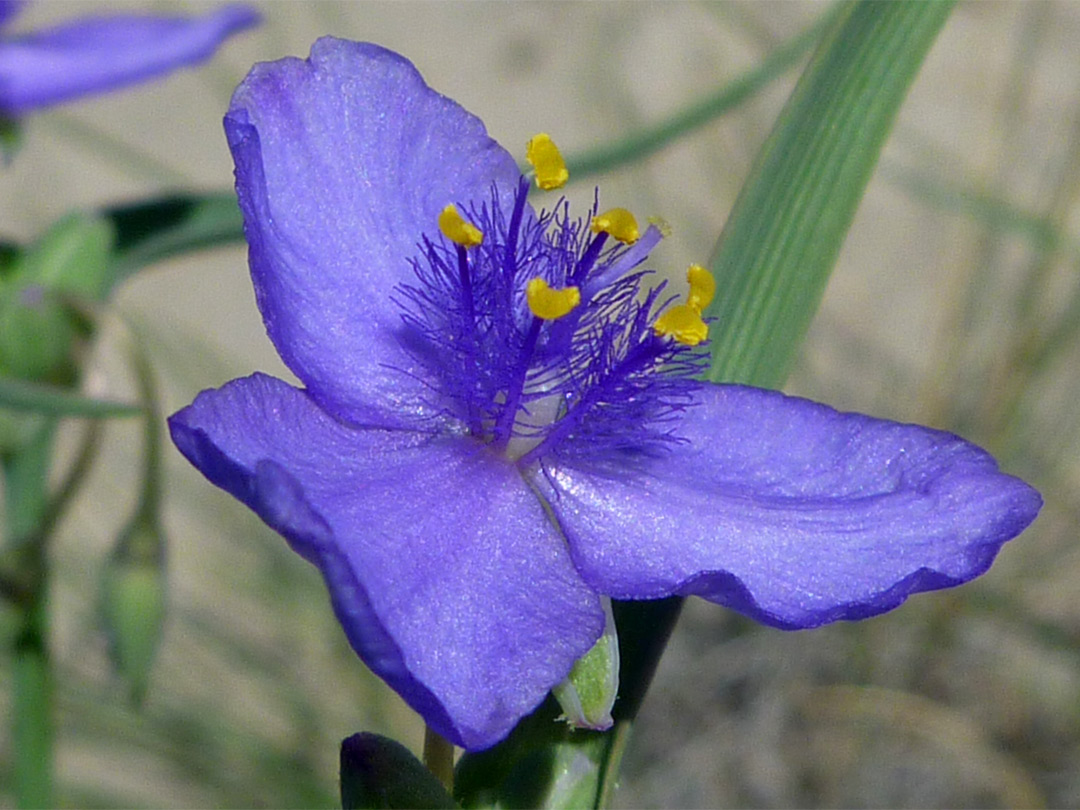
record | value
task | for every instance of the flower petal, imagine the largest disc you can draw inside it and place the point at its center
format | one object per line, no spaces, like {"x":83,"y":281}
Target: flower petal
{"x":343,"y":162}
{"x":96,"y":54}
{"x":444,"y":571}
{"x":789,"y":511}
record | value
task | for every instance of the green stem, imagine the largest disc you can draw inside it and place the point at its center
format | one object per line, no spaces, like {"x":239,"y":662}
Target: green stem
{"x":609,"y":771}
{"x":150,"y":497}
{"x":439,"y":758}
{"x":651,"y":139}
{"x":33,"y":723}
{"x":26,"y":501}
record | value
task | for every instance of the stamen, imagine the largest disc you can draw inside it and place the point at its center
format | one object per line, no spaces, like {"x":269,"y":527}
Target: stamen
{"x":619,"y":223}
{"x":550,"y":304}
{"x":702,"y":287}
{"x":583,"y":363}
{"x":544,"y":156}
{"x":661,"y":224}
{"x":623,"y":264}
{"x":510,"y":251}
{"x":457,"y":230}
{"x":683,"y":323}
{"x":587,"y":261}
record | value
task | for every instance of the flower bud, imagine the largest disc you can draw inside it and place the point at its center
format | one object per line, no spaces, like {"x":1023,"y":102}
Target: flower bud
{"x":37,"y":329}
{"x":133,"y":603}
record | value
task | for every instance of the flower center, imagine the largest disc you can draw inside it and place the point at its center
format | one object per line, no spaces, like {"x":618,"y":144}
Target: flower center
{"x":542,"y":338}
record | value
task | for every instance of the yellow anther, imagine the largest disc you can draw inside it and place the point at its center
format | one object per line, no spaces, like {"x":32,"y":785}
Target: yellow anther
{"x":457,"y":230}
{"x":548,"y":303}
{"x":618,"y":223}
{"x":683,"y":323}
{"x":702,"y":287}
{"x":544,"y":156}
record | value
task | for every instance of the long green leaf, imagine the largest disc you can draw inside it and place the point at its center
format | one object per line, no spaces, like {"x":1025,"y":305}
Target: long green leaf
{"x":779,"y":245}
{"x":21,"y":395}
{"x":637,"y":145}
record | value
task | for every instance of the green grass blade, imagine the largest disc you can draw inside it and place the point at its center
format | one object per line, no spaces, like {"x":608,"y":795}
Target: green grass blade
{"x":778,"y":247}
{"x":21,"y":395}
{"x":644,"y":142}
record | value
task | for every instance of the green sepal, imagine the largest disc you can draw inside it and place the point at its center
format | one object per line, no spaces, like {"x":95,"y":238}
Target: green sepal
{"x":133,"y":602}
{"x":377,"y":772}
{"x":588,"y":693}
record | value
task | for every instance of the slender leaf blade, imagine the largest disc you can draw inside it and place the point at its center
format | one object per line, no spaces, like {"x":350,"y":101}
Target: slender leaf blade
{"x":779,"y":245}
{"x":21,"y":395}
{"x":638,"y":145}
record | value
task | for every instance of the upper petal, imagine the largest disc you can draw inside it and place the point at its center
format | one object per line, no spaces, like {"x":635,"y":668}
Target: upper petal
{"x":96,"y":54}
{"x":790,"y":511}
{"x":443,"y":569}
{"x":343,"y":163}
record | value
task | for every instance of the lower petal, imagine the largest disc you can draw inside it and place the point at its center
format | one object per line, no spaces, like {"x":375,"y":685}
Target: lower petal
{"x":444,"y":571}
{"x":789,"y":511}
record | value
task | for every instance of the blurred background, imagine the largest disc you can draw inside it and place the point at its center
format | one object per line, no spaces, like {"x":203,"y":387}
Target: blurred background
{"x":956,"y":303}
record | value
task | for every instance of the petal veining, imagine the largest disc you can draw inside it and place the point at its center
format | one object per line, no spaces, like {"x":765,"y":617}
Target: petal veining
{"x":344,"y":161}
{"x":443,"y":569}
{"x":789,"y":511}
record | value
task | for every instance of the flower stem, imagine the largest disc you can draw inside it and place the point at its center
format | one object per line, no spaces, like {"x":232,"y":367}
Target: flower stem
{"x":439,"y":758}
{"x":25,"y":473}
{"x":32,"y":697}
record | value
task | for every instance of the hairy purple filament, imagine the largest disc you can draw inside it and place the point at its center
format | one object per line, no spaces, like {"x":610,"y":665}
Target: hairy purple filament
{"x":600,"y":373}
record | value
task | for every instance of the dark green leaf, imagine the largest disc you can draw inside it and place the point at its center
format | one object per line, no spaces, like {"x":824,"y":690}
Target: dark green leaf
{"x":149,"y":232}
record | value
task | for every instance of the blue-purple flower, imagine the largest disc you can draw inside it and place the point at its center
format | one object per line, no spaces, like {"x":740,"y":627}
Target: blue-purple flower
{"x":102,"y":53}
{"x":500,"y":424}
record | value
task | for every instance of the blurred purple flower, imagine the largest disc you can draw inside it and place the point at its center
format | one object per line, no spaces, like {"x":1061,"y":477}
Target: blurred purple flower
{"x":471,"y":478}
{"x":98,"y":54}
